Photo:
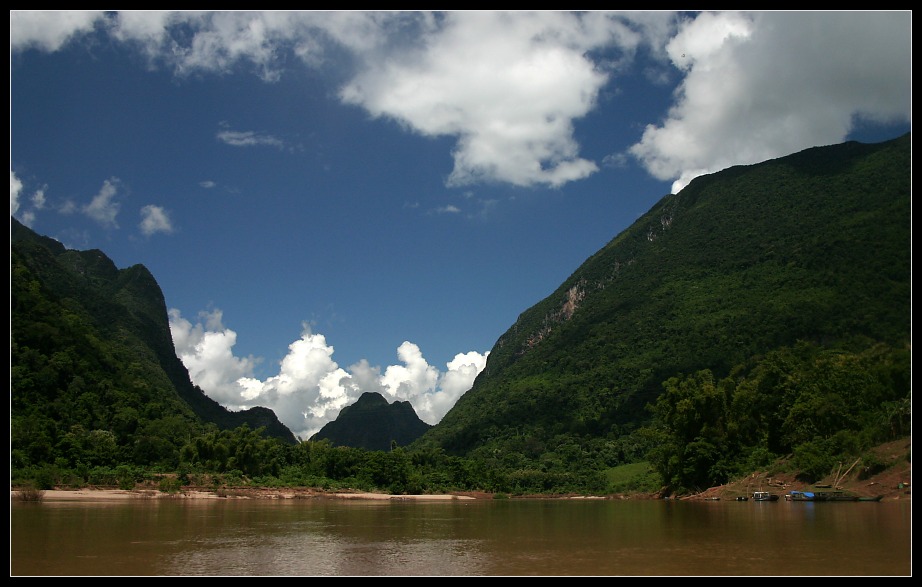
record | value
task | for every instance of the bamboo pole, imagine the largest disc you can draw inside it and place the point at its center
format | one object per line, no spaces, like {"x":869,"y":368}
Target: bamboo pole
{"x":846,"y":472}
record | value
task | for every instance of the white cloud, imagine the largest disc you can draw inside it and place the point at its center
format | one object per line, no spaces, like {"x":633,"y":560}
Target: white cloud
{"x":763,"y":85}
{"x":248,"y":139}
{"x":36,"y":201}
{"x":15,"y":190}
{"x":206,"y":349}
{"x":28,"y":218}
{"x":412,"y":379}
{"x":207,"y":184}
{"x":310,"y":388}
{"x":49,"y":30}
{"x":102,"y":208}
{"x":453,"y":383}
{"x":508,"y":85}
{"x":148,"y":30}
{"x":218,"y":41}
{"x":155,"y":219}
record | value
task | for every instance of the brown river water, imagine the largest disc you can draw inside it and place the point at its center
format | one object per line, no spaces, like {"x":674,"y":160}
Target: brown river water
{"x":534,"y":537}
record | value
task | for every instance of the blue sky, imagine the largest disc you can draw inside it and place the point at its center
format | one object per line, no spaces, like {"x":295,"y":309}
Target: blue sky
{"x":340,"y":202}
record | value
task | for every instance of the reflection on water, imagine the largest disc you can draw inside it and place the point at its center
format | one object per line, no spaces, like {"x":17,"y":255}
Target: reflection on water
{"x":323,"y":537}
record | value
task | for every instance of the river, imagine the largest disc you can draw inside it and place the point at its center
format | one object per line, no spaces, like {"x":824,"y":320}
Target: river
{"x":534,"y":537}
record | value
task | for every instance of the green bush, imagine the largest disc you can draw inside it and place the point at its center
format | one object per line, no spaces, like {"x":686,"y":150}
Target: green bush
{"x":169,"y":485}
{"x":813,"y":460}
{"x":46,"y":477}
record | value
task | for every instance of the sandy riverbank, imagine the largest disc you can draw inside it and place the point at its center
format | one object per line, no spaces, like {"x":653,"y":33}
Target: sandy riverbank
{"x":120,"y":494}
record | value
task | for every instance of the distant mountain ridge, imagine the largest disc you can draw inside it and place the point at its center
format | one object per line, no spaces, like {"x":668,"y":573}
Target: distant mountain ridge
{"x":374,"y":424}
{"x":112,"y":326}
{"x":814,"y":246}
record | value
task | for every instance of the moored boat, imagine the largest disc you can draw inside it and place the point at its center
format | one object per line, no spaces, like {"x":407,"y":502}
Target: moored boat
{"x":799,"y":496}
{"x":834,"y":496}
{"x":764,"y":496}
{"x":826,"y":496}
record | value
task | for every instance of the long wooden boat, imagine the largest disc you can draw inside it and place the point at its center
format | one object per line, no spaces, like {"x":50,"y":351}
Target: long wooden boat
{"x":827,"y":496}
{"x":833,"y":496}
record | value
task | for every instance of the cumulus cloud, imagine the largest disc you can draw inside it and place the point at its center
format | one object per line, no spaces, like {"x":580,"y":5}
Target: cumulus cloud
{"x":762,"y":85}
{"x":102,"y":208}
{"x":310,"y":388}
{"x":155,"y":219}
{"x":509,"y":86}
{"x":206,"y":349}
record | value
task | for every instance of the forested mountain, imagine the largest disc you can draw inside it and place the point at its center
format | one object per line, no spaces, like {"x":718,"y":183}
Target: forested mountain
{"x":92,"y":357}
{"x":761,"y":315}
{"x":754,"y":276}
{"x":374,"y":424}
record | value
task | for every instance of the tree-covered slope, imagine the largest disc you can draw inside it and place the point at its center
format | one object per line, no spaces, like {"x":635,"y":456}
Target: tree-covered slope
{"x":813,"y":247}
{"x":91,"y":356}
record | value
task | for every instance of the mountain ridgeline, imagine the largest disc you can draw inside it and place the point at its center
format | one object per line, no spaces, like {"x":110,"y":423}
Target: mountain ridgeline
{"x":763,"y":311}
{"x":91,"y":350}
{"x":812,"y":248}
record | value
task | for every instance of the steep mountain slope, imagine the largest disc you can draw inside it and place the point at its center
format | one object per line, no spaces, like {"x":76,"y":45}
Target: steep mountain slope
{"x":374,"y":424}
{"x":814,"y":246}
{"x":91,"y":347}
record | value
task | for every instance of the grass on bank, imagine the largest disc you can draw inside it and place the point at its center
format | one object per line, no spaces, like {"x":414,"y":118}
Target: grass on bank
{"x":633,"y":478}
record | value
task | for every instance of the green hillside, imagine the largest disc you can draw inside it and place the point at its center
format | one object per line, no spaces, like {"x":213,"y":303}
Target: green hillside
{"x":809,"y":251}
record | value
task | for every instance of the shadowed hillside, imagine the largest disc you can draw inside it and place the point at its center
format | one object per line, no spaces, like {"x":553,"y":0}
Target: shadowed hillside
{"x":91,"y":350}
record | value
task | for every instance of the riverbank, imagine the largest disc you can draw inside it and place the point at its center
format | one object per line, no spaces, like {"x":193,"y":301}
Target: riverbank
{"x":727,"y":492}
{"x":106,"y":494}
{"x":891,"y":483}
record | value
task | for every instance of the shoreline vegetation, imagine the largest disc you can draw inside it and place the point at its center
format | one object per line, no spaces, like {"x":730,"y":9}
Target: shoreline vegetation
{"x":892,"y":483}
